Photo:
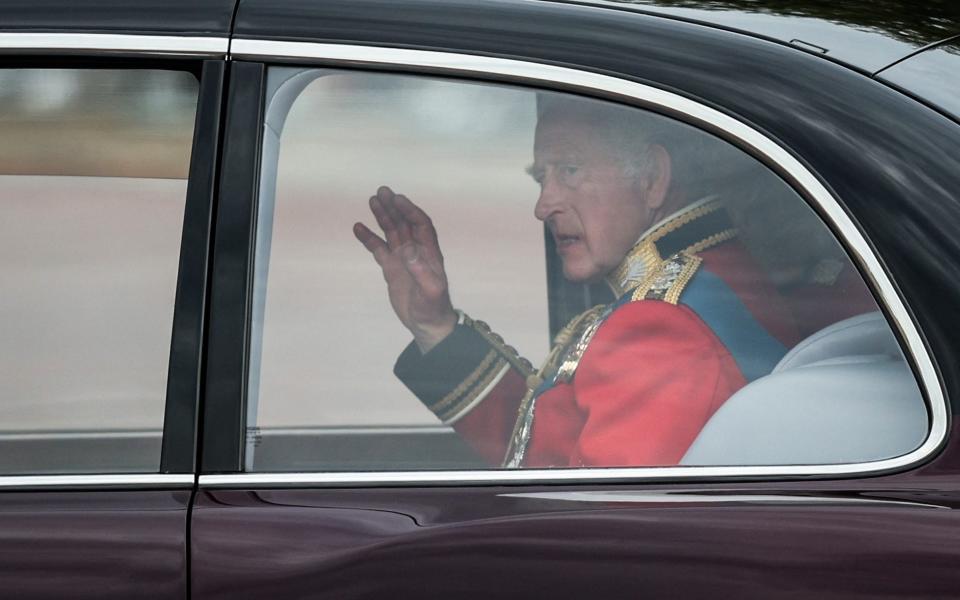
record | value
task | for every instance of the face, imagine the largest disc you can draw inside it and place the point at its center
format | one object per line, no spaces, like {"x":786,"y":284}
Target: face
{"x":593,"y":209}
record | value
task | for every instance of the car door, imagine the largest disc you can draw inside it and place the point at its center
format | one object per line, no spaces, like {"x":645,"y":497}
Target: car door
{"x":106,"y":189}
{"x":323,"y":477}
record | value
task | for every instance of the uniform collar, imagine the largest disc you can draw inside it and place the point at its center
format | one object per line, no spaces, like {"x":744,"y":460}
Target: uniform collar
{"x":692,"y":229}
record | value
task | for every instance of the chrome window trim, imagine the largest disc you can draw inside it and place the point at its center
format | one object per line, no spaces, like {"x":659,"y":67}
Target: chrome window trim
{"x":148,"y":480}
{"x":706,"y":496}
{"x":359,"y":430}
{"x":595,"y":84}
{"x":113,"y":43}
{"x":25,"y":436}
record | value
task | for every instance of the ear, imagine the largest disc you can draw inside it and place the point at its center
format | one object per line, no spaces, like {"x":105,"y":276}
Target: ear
{"x":655,"y":184}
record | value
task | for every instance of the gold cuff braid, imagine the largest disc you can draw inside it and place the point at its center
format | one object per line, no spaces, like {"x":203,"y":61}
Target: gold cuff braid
{"x":509,"y":353}
{"x":468,"y":392}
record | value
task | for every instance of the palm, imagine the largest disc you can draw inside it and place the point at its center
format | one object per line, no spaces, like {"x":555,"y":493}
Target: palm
{"x":409,"y":255}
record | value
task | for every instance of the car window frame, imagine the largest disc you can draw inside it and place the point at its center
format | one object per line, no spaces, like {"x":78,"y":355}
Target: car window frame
{"x":204,"y":58}
{"x":225,"y":469}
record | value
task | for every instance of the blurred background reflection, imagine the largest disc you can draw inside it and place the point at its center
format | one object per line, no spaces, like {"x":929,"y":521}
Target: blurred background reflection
{"x":93,"y":167}
{"x":458,"y":150}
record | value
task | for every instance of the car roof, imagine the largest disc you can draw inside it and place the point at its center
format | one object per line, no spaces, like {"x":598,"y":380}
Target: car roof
{"x":156,"y":17}
{"x":867,"y":35}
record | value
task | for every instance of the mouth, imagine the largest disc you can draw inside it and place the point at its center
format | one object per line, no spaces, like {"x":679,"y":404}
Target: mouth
{"x":565,"y":241}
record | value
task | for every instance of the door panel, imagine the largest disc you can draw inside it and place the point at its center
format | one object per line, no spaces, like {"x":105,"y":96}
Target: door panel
{"x":542,"y":543}
{"x":88,"y":544}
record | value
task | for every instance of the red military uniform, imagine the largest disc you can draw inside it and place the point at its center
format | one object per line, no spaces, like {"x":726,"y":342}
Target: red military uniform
{"x":627,"y":384}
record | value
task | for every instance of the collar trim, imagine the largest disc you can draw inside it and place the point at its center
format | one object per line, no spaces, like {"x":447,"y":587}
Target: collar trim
{"x":694,"y":229}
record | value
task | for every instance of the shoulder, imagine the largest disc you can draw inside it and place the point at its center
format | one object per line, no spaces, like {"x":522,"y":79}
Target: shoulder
{"x":659,"y":302}
{"x":727,"y":264}
{"x":668,"y":280}
{"x":718,"y":296}
{"x":685,"y":299}
{"x":647,"y":321}
{"x":643,"y":337}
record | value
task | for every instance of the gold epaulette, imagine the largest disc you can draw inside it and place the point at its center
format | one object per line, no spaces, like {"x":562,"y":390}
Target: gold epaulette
{"x":657,"y":266}
{"x":668,"y":280}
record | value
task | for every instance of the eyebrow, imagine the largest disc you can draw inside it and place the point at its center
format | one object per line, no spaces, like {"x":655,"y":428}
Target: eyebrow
{"x":531,"y":170}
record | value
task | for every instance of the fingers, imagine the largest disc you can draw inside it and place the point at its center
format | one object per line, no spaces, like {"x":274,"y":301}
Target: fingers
{"x":421,"y":227}
{"x":395,"y":226}
{"x":372,"y":242}
{"x":419,"y":221}
{"x":387,"y":224}
{"x":405,"y":224}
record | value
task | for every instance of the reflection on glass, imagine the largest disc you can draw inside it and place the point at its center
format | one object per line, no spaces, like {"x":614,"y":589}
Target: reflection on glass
{"x":917,"y":23}
{"x":105,"y":123}
{"x":933,"y":75}
{"x":92,"y":185}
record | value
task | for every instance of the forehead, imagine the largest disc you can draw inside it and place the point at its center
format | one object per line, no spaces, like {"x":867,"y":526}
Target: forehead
{"x":568,"y":132}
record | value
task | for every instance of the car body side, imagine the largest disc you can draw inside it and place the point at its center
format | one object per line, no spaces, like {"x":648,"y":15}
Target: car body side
{"x":893,"y":164}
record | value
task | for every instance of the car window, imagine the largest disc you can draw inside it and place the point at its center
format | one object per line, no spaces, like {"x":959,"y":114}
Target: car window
{"x":93,"y":169}
{"x":453,"y":275}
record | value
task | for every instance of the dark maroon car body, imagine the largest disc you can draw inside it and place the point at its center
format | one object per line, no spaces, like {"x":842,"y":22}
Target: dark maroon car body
{"x":853,"y":115}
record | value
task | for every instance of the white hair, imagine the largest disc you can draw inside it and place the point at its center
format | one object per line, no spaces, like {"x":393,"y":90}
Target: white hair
{"x":700,"y":162}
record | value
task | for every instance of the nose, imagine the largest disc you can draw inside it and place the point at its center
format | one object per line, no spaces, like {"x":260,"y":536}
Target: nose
{"x":549,"y":201}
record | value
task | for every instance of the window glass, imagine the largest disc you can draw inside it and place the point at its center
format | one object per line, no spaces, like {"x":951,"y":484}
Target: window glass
{"x":93,"y":168}
{"x":458,"y":275}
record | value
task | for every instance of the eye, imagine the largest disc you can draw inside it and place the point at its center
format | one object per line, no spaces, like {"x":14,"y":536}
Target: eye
{"x":536,"y":174}
{"x":569,"y":174}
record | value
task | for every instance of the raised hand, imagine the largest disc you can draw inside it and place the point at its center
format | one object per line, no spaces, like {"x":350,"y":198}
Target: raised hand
{"x":412,"y":266}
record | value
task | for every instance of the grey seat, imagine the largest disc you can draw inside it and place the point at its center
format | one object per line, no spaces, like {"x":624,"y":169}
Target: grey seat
{"x":845,"y":394}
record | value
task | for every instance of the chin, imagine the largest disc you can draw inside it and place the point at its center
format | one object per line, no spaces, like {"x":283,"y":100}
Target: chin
{"x":582,"y":274}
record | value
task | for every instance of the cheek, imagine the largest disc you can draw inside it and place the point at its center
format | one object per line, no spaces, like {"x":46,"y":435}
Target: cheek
{"x":615,"y":228}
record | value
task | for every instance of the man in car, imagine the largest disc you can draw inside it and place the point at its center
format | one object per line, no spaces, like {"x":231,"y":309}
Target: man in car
{"x":630,"y":383}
